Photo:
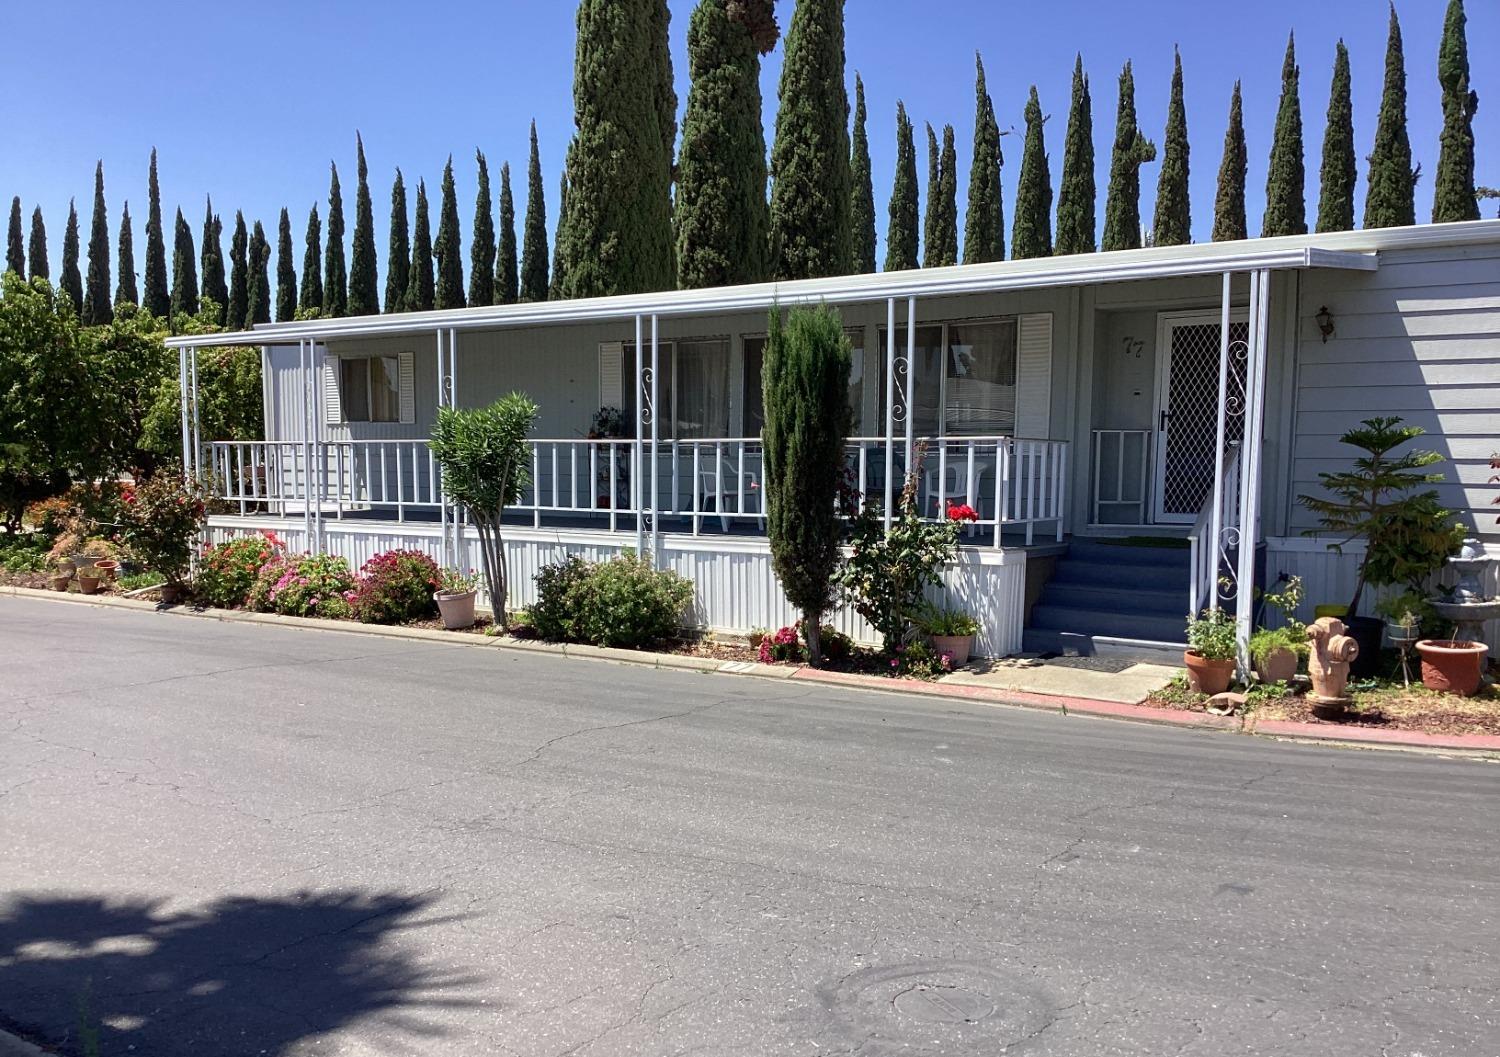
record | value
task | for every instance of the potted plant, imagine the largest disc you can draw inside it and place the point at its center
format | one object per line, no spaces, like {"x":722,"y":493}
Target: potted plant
{"x":161,"y":526}
{"x":108,"y":568}
{"x":1211,"y":653}
{"x":1407,"y":535}
{"x":61,"y":575}
{"x":455,"y":599}
{"x":1453,"y":666}
{"x":1405,"y":615}
{"x":950,"y":631}
{"x":1276,"y":651}
{"x":89,"y":581}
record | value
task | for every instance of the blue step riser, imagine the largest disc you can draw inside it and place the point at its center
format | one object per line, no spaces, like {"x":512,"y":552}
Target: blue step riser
{"x":1116,"y":599}
{"x":1099,"y":622}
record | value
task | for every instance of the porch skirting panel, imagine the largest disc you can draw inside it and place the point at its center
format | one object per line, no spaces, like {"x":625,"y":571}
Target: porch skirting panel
{"x":735,"y":589}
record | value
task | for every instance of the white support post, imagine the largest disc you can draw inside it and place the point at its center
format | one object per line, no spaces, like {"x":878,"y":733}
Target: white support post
{"x":446,"y":555}
{"x":302,"y":356}
{"x":1216,"y":518}
{"x":911,"y":383}
{"x":197,"y":436}
{"x":655,"y":454}
{"x":182,"y":391}
{"x":640,"y":438}
{"x":1250,"y":462}
{"x":890,"y":408}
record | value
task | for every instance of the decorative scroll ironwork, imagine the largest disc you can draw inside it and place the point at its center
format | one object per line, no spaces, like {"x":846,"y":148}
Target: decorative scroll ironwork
{"x":899,"y":407}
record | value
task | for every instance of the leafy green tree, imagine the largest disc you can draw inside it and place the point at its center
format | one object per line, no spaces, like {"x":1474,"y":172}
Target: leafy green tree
{"x":901,"y":234}
{"x":534,"y":239}
{"x":335,"y":274}
{"x":721,"y":212}
{"x":15,"y":247}
{"x":310,"y":295}
{"x":810,"y":180}
{"x":616,"y":234}
{"x":286,"y":270}
{"x":984,"y":219}
{"x":238,"y":313}
{"x":71,"y":282}
{"x":806,"y":382}
{"x":229,"y":392}
{"x":1173,"y":225}
{"x":1122,"y":205}
{"x":126,"y":291}
{"x":214,"y":284}
{"x":558,"y":285}
{"x":507,"y":275}
{"x":1453,"y":195}
{"x":1391,"y":199}
{"x":97,"y":306}
{"x":482,"y":247}
{"x":448,"y":249}
{"x":420,"y":295}
{"x":486,"y":461}
{"x":398,"y":253}
{"x":1286,"y":178}
{"x":258,"y":287}
{"x":1336,"y":181}
{"x":1230,"y":224}
{"x":156,"y":296}
{"x":185,"y":272}
{"x":1031,"y":232}
{"x":364,"y":283}
{"x":862,"y":188}
{"x":36,"y":247}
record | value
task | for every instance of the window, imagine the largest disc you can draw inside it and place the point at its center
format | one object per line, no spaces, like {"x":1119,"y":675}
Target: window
{"x":965,"y":378}
{"x":370,"y":389}
{"x":692,"y":390}
{"x":929,"y":379}
{"x":755,"y":404}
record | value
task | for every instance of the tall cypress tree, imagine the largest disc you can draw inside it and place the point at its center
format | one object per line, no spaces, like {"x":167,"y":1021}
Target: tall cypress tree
{"x":447,"y":249}
{"x":901,"y":234}
{"x":420,"y":295}
{"x":1229,"y":204}
{"x":810,"y":233}
{"x":184,"y":269}
{"x":482,"y":246}
{"x":1031,"y":235}
{"x":507,"y":271}
{"x":1336,"y":182}
{"x":126,"y":290}
{"x":1122,"y":204}
{"x":861,"y":188}
{"x":335,"y":274}
{"x":71,"y":281}
{"x":558,"y":286}
{"x":155,"y":295}
{"x":97,"y":306}
{"x":984,"y":219}
{"x":215,"y":285}
{"x":286,"y":270}
{"x":1286,"y":178}
{"x":258,"y":288}
{"x":237,"y":314}
{"x":15,"y":246}
{"x":617,"y":235}
{"x":36,"y":247}
{"x":721,"y":213}
{"x":310,"y":295}
{"x":1173,"y":225}
{"x":364,"y":283}
{"x":1391,"y":200}
{"x":398,"y":253}
{"x":931,"y":241}
{"x":948,"y":193}
{"x":1076,"y":218}
{"x":534,"y":241}
{"x":1453,"y":194}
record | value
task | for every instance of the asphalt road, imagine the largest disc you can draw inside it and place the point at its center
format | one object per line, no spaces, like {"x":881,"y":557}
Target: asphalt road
{"x":221,"y":839}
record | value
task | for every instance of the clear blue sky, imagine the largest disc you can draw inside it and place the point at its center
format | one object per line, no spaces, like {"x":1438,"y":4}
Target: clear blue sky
{"x":250,"y":103}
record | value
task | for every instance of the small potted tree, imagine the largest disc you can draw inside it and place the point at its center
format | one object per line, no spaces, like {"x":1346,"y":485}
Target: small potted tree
{"x":1211,"y":653}
{"x":455,"y":599}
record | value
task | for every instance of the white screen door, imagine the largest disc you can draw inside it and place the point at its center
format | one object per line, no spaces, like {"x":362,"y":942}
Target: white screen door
{"x":1187,"y":407}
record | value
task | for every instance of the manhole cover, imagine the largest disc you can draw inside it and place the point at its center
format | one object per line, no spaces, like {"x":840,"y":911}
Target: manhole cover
{"x":943,"y":1005}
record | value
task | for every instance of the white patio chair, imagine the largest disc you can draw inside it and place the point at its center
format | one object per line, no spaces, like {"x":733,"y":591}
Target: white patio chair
{"x":955,"y":486}
{"x":723,"y":486}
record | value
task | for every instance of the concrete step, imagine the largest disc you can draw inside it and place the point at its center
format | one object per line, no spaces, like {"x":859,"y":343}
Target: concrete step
{"x":1143,"y":598}
{"x":1043,"y":640}
{"x":1139,"y":626}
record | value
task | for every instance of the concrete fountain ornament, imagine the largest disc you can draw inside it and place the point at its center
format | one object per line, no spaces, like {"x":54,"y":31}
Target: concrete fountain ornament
{"x":1457,"y":664}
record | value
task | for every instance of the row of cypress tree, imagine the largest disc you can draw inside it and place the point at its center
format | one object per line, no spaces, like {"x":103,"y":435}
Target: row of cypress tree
{"x":635,"y":217}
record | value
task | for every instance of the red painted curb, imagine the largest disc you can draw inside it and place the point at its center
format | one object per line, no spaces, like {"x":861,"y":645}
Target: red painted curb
{"x":1282,"y":728}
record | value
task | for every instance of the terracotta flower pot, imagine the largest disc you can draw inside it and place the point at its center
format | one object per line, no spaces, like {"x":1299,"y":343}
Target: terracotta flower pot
{"x":1456,"y":667}
{"x":1206,"y":676}
{"x":959,"y":646}
{"x":107,"y":568}
{"x":60,"y":581}
{"x":457,"y":609}
{"x":1278,"y":667}
{"x":88,"y":583}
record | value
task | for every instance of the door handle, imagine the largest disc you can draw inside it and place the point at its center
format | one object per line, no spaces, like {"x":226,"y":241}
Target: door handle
{"x":1165,"y":415}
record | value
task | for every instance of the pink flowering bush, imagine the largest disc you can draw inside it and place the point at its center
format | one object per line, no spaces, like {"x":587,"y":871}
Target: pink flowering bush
{"x":790,"y":645}
{"x":305,"y":585}
{"x":396,"y":587}
{"x":227,"y":572}
{"x":784,"y":645}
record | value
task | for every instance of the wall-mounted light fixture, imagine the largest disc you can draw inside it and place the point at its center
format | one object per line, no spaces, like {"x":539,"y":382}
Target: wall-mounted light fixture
{"x":1325,"y":323}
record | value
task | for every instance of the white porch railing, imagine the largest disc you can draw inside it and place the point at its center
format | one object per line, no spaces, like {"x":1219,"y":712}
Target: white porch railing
{"x":1122,"y":466}
{"x":1015,"y":485}
{"x":1207,"y":555}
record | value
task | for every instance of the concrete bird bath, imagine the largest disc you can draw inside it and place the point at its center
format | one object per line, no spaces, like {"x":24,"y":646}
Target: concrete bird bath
{"x":1467,"y":607}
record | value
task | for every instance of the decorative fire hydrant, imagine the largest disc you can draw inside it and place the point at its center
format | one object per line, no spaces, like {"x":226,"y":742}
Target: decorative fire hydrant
{"x":1328,"y":665}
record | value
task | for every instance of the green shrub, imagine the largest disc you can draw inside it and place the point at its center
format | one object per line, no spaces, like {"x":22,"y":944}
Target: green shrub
{"x":1212,"y":635}
{"x":555,"y":614}
{"x":1267,"y":641}
{"x":23,"y":554}
{"x":227,"y":572}
{"x":396,"y":587}
{"x":620,"y":602}
{"x":161,"y":522}
{"x":308,"y":585}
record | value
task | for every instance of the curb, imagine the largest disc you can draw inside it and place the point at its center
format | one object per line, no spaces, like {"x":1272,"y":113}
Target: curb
{"x":1479,"y":746}
{"x":15,"y":1046}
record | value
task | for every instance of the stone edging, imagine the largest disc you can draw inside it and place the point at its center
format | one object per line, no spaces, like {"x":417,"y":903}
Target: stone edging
{"x":1482,"y":745}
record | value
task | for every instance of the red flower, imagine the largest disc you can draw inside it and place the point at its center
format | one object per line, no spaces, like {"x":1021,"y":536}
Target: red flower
{"x":962,"y":512}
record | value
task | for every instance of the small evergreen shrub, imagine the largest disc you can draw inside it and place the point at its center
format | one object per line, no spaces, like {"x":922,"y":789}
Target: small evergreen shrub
{"x":621,"y":602}
{"x":555,"y":614}
{"x":396,"y":587}
{"x":308,"y":585}
{"x":228,"y":571}
{"x":161,"y":522}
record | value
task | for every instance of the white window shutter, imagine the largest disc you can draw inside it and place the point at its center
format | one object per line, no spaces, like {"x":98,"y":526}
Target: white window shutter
{"x":612,"y":374}
{"x":406,"y":383}
{"x":1034,"y":376}
{"x":333,"y":411}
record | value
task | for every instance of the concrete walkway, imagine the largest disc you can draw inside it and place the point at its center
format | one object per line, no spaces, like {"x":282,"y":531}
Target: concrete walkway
{"x":1130,"y":686}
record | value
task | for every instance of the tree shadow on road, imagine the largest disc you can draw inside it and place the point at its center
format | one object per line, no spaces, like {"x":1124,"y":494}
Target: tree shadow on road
{"x":240,"y":975}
